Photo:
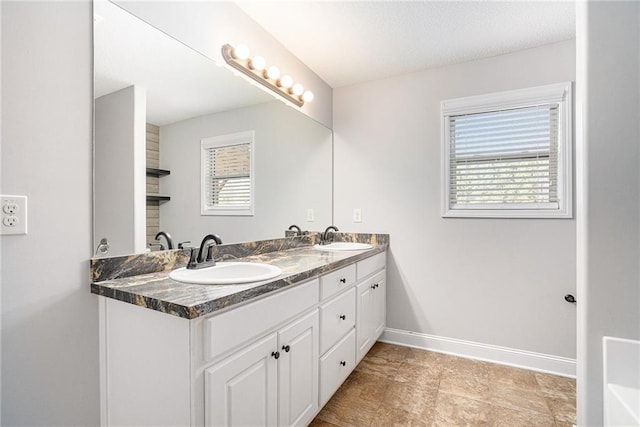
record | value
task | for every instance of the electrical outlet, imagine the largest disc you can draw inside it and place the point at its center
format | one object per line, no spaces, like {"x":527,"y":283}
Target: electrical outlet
{"x":14,"y":215}
{"x":10,"y":208}
{"x":357,"y":215}
{"x":310,"y":215}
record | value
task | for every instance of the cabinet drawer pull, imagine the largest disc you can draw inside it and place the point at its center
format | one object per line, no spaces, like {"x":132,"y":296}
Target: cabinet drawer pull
{"x":343,"y":280}
{"x":343,"y":363}
{"x":275,"y":354}
{"x":343,"y":317}
{"x":286,"y":348}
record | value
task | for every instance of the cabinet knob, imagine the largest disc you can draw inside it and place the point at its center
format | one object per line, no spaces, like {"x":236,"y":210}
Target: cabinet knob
{"x":343,"y":317}
{"x":373,"y":286}
{"x":343,"y":363}
{"x":275,"y":354}
{"x":343,"y":280}
{"x":376,"y":285}
{"x":286,"y":348}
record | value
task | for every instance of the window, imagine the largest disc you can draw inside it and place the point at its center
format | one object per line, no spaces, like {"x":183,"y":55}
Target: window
{"x":227,"y":174}
{"x":508,"y":154}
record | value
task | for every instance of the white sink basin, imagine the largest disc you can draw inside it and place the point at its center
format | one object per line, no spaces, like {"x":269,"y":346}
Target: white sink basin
{"x":227,"y":273}
{"x":343,"y":246}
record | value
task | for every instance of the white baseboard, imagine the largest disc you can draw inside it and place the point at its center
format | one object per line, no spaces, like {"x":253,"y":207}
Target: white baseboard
{"x":491,"y":353}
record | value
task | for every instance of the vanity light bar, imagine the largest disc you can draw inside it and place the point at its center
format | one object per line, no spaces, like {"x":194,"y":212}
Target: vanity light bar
{"x":270,"y":77}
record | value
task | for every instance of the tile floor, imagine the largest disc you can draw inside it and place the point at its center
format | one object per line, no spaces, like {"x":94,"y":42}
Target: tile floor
{"x":401,"y":386}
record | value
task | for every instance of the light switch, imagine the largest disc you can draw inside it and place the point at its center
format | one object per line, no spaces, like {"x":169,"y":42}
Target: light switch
{"x":357,"y":215}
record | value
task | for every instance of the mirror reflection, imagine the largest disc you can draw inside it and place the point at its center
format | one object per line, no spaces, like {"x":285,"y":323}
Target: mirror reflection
{"x":159,"y":107}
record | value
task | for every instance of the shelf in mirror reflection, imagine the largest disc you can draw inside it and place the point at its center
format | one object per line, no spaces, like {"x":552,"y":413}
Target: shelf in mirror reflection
{"x":157,"y":198}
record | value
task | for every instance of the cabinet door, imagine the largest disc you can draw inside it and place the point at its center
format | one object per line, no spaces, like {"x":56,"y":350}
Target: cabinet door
{"x":364,"y":324}
{"x":241,"y":390}
{"x":298,"y":371}
{"x":379,"y":304}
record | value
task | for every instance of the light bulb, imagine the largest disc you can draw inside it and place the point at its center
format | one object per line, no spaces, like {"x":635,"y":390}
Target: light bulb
{"x":273,"y":72}
{"x":258,"y":63}
{"x":307,"y":96}
{"x":241,"y":51}
{"x":297,"y":89}
{"x":285,"y":81}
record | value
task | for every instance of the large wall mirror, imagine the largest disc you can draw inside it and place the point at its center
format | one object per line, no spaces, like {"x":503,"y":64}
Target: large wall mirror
{"x":156,"y":100}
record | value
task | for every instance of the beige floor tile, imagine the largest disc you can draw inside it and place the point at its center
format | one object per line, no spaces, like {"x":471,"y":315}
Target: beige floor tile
{"x":317,"y":422}
{"x":519,"y":399}
{"x":452,"y":410}
{"x":505,"y":417}
{"x":556,"y":385}
{"x":418,"y":375}
{"x":426,"y":358}
{"x":347,"y":413}
{"x":514,"y":377}
{"x":563,"y":410}
{"x":394,"y":353}
{"x":403,"y":386}
{"x":464,"y":384}
{"x":365,"y":386}
{"x":468,"y":367}
{"x":409,"y":398}
{"x":378,"y":366}
{"x":389,"y":416}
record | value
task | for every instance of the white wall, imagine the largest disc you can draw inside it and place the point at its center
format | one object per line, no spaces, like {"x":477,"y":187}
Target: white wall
{"x":292,"y":174}
{"x":119,"y":170}
{"x":206,"y":26}
{"x":479,"y":280}
{"x":608,"y":197}
{"x":49,"y":318}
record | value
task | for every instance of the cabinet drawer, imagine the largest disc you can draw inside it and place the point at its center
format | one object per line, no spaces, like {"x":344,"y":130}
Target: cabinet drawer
{"x":228,"y":330}
{"x":338,"y":280}
{"x":371,"y":265}
{"x":336,"y":365}
{"x":336,"y":318}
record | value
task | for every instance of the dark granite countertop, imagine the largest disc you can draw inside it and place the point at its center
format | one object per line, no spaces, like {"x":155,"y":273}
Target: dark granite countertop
{"x":158,"y":292}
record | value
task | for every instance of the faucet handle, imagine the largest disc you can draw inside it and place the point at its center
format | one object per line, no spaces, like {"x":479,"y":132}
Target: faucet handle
{"x":159,"y":245}
{"x":181,"y":244}
{"x":210,"y":251}
{"x":193,"y":255}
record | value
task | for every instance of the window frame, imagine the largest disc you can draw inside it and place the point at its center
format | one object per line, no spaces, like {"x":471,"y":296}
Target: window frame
{"x":560,"y":93}
{"x":239,"y":138}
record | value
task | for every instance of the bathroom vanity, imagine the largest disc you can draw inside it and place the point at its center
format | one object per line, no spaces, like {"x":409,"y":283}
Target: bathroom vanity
{"x":266,"y":353}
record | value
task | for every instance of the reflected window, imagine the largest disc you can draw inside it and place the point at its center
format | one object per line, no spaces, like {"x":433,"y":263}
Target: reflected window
{"x":227,"y":174}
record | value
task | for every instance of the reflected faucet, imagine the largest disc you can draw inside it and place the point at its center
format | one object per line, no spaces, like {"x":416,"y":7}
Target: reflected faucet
{"x":167,"y":237}
{"x":324,"y":237}
{"x":297,"y":230}
{"x":200,"y":258}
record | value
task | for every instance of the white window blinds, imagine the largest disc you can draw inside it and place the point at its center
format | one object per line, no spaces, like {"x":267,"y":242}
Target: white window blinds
{"x":227,"y":184}
{"x":505,"y":157}
{"x":508,"y":154}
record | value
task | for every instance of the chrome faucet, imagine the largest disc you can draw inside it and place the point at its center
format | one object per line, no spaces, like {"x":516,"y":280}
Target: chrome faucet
{"x":324,"y":237}
{"x":167,"y":237}
{"x":204,"y":257}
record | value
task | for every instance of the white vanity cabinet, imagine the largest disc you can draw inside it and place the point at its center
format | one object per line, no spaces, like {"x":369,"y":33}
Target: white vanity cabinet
{"x":371,"y":293}
{"x":275,"y":360}
{"x":273,"y":381}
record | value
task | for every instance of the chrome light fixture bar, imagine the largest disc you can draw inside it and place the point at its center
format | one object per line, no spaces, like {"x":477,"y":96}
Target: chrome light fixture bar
{"x":239,"y":58}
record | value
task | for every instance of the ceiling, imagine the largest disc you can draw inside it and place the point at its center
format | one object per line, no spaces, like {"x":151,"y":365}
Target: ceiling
{"x":350,"y":42}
